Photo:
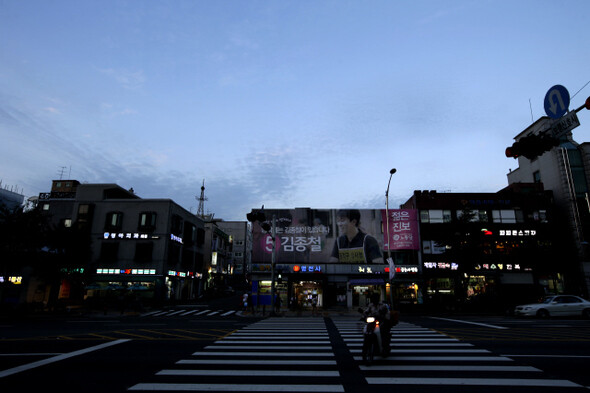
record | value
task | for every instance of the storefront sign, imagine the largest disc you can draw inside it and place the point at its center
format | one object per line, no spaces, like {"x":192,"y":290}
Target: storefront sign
{"x":127,"y":271}
{"x":498,"y":266}
{"x":175,"y":238}
{"x":406,"y":269}
{"x":518,"y":232}
{"x":126,"y":235}
{"x":441,"y":265}
{"x":307,"y":269}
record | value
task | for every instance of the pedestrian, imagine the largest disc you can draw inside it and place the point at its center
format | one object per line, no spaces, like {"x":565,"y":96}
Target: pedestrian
{"x":314,"y":306}
{"x":244,"y":302}
{"x":278,"y":303}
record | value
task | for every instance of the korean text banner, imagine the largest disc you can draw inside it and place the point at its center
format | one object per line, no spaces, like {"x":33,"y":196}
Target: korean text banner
{"x":403,"y":229}
{"x":306,"y":235}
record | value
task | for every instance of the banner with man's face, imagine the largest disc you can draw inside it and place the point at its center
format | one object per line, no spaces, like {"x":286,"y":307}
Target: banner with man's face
{"x":354,"y":236}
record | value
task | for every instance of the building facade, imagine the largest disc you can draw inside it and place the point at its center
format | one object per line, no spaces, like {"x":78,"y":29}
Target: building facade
{"x":488,"y":250}
{"x":565,"y":170}
{"x":449,"y":251}
{"x":151,"y":249}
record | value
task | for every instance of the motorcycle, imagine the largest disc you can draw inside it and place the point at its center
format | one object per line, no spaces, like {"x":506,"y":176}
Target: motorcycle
{"x":373,"y":341}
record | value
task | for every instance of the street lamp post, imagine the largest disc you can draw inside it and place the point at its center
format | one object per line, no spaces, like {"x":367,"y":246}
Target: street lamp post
{"x":389,"y":260}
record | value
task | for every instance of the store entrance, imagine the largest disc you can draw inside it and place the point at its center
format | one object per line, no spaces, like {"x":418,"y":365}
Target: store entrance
{"x":306,"y":292}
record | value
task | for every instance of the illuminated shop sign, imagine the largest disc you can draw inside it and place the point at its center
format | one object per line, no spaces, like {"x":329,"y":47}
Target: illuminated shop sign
{"x":307,"y":268}
{"x":177,"y":239}
{"x":367,"y":269}
{"x":126,"y":235}
{"x":12,"y":279}
{"x":518,"y":232}
{"x":406,"y":269}
{"x":174,"y":273}
{"x":498,"y":266}
{"x":127,"y":271}
{"x":441,"y":265}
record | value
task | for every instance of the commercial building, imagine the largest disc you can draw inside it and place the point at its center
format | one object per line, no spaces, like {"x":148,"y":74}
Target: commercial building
{"x":488,"y":250}
{"x":127,"y":246}
{"x":450,"y":251}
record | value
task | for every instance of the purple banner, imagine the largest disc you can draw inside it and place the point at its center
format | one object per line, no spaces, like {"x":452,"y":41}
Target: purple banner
{"x":403,"y":229}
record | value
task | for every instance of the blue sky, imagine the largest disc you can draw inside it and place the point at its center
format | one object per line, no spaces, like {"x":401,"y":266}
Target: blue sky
{"x":282,"y":103}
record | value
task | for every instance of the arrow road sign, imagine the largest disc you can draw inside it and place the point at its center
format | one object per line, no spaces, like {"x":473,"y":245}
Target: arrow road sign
{"x":557,"y":101}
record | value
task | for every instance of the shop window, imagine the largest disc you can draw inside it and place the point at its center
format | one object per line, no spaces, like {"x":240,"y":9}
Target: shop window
{"x":435,"y":216}
{"x":504,"y":216}
{"x":473,"y":215}
{"x":433,"y":247}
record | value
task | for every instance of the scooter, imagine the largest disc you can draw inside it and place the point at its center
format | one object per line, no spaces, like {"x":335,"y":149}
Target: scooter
{"x":373,"y":341}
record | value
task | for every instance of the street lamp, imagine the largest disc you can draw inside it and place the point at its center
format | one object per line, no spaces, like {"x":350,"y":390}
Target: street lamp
{"x":389,"y":260}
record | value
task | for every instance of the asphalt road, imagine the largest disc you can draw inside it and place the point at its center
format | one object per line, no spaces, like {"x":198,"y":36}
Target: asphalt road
{"x":180,"y":351}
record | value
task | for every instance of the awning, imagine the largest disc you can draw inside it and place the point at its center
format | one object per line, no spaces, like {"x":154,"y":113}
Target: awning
{"x":367,"y":281}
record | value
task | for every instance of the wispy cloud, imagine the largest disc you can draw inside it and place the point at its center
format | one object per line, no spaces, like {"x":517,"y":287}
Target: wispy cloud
{"x":131,"y":80}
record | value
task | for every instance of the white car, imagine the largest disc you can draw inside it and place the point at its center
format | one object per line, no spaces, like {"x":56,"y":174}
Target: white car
{"x":555,"y":306}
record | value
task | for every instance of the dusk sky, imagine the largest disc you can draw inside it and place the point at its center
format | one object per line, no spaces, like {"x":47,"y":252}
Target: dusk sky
{"x":282,"y":103}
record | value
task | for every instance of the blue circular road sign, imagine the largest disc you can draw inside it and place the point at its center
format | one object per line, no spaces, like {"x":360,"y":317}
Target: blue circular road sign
{"x":557,"y":101}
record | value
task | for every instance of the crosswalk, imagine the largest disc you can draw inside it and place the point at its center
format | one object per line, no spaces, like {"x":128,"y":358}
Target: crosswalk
{"x":424,"y":357}
{"x":191,"y":313}
{"x":324,"y":355}
{"x":272,"y":355}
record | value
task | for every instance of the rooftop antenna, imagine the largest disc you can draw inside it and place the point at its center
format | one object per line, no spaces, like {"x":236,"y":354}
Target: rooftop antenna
{"x":531,"y":106}
{"x":201,"y":199}
{"x":62,"y":169}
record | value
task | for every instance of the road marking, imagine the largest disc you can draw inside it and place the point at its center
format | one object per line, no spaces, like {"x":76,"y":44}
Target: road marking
{"x":423,"y":367}
{"x":549,"y":356}
{"x":269,"y":354}
{"x":236,"y":387}
{"x":284,"y":347}
{"x":473,"y":382}
{"x":58,"y":358}
{"x":433,"y":351}
{"x":188,"y":312}
{"x":257,"y":373}
{"x":202,"y":312}
{"x":305,"y":362}
{"x":228,"y":313}
{"x":449,"y":358}
{"x":175,"y":312}
{"x":471,"y":323}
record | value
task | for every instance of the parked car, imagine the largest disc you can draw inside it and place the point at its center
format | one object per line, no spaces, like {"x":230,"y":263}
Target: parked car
{"x":555,"y":306}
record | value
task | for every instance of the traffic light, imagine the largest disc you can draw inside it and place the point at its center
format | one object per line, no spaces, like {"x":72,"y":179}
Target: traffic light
{"x":531,"y":146}
{"x":256,"y":216}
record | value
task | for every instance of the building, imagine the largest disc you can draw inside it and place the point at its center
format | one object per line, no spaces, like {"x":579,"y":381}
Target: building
{"x":487,"y":250}
{"x":239,"y":238}
{"x":449,"y":251}
{"x":565,"y":170}
{"x":312,"y":261}
{"x":151,"y":249}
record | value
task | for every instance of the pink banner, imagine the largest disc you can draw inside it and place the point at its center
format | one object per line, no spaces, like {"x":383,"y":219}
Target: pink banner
{"x":403,"y":229}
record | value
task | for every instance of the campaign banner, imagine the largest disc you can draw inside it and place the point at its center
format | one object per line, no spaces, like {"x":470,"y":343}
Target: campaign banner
{"x":403,"y":229}
{"x":303,"y":235}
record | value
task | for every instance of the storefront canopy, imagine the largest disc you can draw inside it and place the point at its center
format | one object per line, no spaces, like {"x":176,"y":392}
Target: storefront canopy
{"x":367,"y":281}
